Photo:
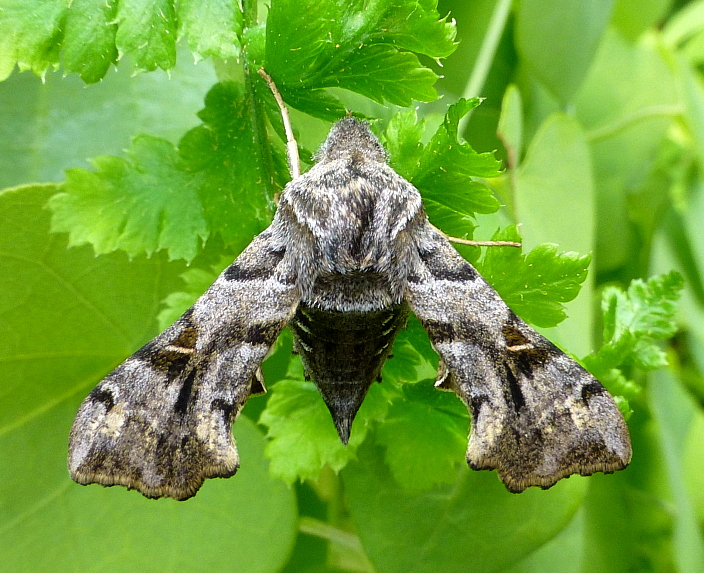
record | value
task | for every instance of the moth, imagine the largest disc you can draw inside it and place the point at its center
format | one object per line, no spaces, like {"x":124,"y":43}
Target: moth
{"x":349,"y":254}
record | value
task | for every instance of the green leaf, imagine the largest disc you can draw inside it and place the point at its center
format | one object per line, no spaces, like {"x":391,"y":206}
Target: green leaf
{"x":316,"y":102}
{"x":93,"y":34}
{"x":510,"y":128}
{"x":402,"y":142}
{"x":360,"y":46}
{"x":89,"y":39}
{"x":231,"y":170}
{"x":302,"y":436}
{"x":411,"y":353}
{"x":444,"y":169}
{"x":29,"y":32}
{"x":554,"y":198}
{"x":415,"y":335}
{"x":444,"y":152}
{"x":141,"y":204}
{"x":147,"y":32}
{"x":367,"y":47}
{"x":160,"y":198}
{"x":673,"y":412}
{"x":633,"y":17}
{"x":213,"y":27}
{"x":536,"y":285}
{"x":68,"y":317}
{"x":416,"y":26}
{"x":382,"y":73}
{"x":692,"y":88}
{"x":425,"y":436}
{"x":692,"y":460}
{"x":626,"y":123}
{"x":685,"y":23}
{"x":546,"y":37}
{"x":472,"y":525}
{"x":633,"y":323}
{"x":64,"y":123}
{"x":634,"y":320}
{"x":652,"y":306}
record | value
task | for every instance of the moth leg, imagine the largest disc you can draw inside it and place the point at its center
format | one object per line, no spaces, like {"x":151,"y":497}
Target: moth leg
{"x":537,"y":416}
{"x":161,"y":421}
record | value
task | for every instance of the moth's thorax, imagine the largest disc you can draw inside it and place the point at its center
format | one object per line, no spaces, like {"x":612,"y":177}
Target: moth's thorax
{"x":351,"y":215}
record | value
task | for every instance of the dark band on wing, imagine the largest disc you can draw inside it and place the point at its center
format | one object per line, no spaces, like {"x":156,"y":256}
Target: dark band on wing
{"x":438,"y":267}
{"x":516,"y":397}
{"x":264,"y":269}
{"x":512,"y":336}
{"x":187,"y":393}
{"x":227,"y":408}
{"x":104,"y":396}
{"x":592,"y":389}
{"x":187,"y":339}
{"x":235,"y":334}
{"x":172,"y":356}
{"x":263,"y":333}
{"x":464,"y":329}
{"x":525,"y":356}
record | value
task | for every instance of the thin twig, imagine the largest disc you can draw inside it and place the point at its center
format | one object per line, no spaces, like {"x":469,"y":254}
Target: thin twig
{"x":294,"y":163}
{"x":482,"y":243}
{"x":472,"y":243}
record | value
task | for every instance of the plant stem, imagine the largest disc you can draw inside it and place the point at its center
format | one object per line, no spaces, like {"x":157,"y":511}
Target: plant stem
{"x":330,"y":533}
{"x":494,"y":31}
{"x":294,"y":162}
{"x":350,"y":553}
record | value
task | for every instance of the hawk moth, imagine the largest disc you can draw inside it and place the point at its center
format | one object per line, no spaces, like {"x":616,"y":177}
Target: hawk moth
{"x":349,"y":254}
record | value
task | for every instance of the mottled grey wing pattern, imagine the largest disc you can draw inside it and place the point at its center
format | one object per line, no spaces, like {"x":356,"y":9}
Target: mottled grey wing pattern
{"x":537,"y":416}
{"x":161,"y":421}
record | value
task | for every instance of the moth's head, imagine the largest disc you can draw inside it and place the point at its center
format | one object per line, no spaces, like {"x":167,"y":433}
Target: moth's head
{"x":351,"y":136}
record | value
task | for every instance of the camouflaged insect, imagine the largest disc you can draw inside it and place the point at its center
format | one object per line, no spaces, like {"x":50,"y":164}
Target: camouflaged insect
{"x":350,"y":252}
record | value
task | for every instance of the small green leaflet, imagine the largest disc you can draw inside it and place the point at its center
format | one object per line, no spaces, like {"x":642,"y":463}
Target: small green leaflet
{"x":302,"y":438}
{"x":634,"y":321}
{"x":141,"y":204}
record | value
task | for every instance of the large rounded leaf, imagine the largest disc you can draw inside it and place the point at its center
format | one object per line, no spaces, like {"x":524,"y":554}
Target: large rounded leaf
{"x":471,"y":526}
{"x":66,"y":318}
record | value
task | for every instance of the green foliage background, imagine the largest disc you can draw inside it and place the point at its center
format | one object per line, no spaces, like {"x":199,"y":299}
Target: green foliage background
{"x":594,"y":108}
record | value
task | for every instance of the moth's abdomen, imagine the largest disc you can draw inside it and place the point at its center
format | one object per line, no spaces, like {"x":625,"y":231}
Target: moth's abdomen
{"x":343,"y":353}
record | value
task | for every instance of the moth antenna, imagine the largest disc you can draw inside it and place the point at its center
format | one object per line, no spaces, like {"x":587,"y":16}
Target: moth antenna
{"x":294,"y":163}
{"x":472,"y":243}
